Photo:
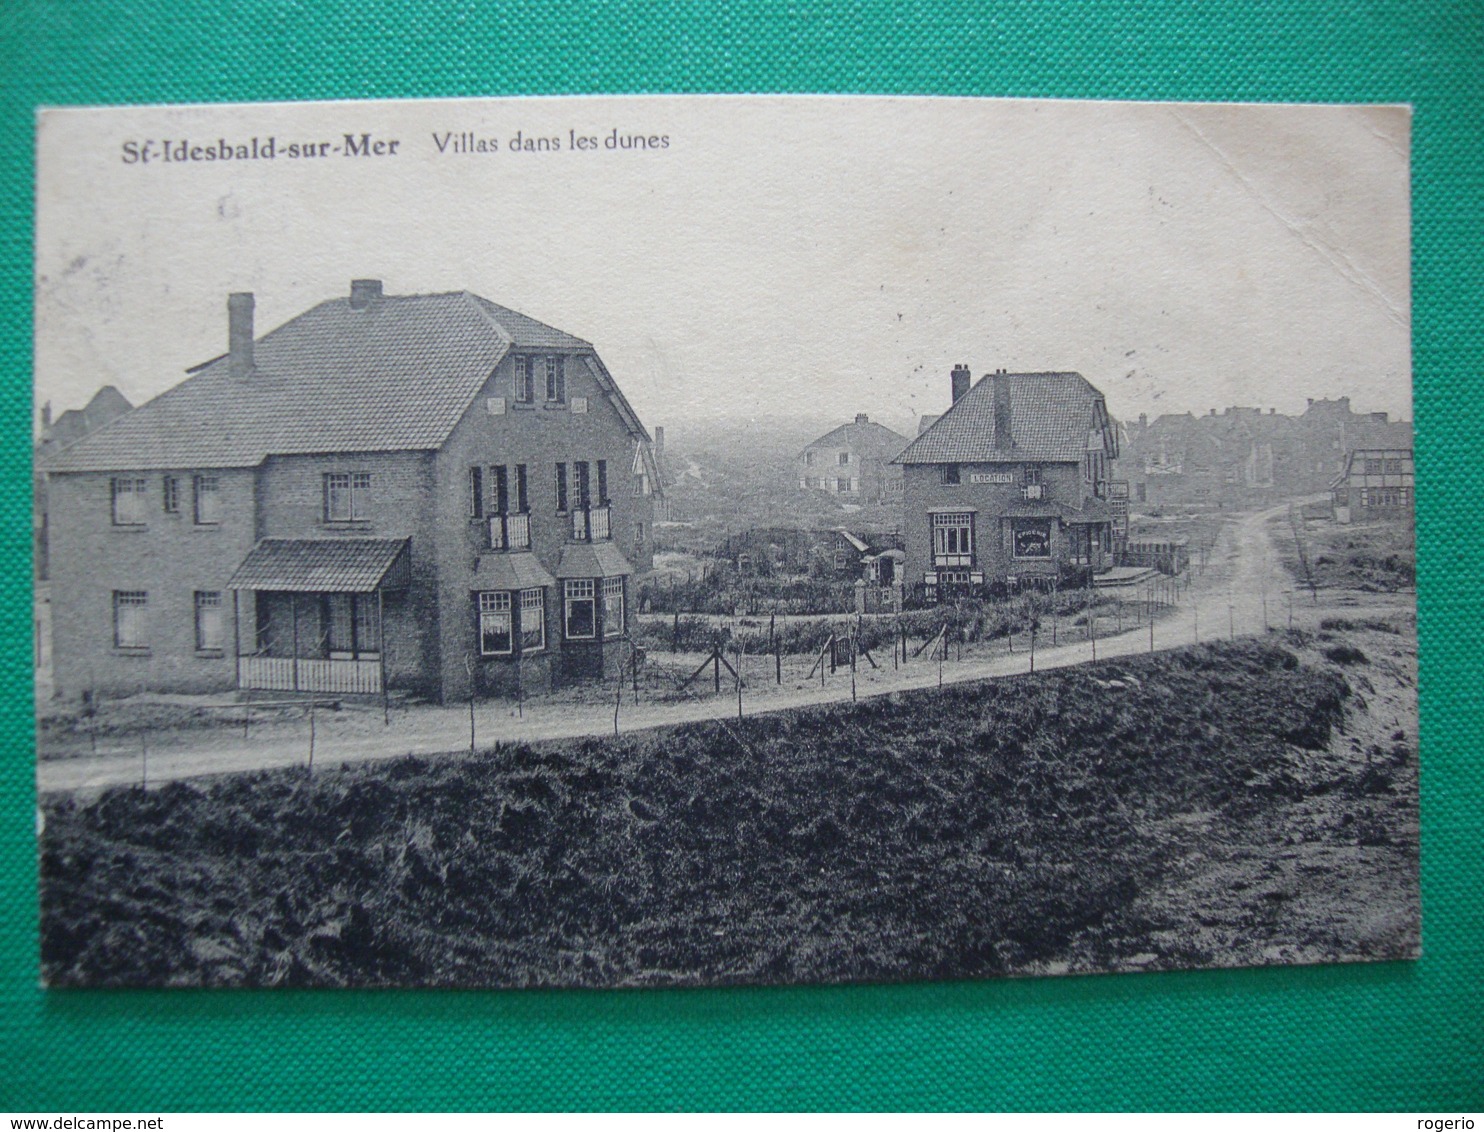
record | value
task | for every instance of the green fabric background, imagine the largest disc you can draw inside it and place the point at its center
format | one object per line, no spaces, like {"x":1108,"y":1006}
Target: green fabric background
{"x":1404,"y":1035}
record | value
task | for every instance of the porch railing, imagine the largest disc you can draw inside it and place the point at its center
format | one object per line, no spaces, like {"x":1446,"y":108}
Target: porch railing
{"x":301,"y":674}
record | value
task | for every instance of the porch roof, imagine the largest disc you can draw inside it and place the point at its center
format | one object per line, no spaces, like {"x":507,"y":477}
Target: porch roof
{"x":592,"y":560}
{"x":339,"y":565}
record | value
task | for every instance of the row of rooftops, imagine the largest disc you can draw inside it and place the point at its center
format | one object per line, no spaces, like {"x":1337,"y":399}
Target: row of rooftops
{"x":370,"y":372}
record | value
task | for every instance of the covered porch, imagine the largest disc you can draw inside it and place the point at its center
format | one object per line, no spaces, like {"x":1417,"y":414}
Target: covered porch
{"x":310,"y":615}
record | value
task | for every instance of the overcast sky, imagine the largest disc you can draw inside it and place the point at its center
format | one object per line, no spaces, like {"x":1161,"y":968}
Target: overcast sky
{"x":810,"y":257}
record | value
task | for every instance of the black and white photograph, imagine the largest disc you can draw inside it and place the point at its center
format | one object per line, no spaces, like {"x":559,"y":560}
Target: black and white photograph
{"x":686,"y":541}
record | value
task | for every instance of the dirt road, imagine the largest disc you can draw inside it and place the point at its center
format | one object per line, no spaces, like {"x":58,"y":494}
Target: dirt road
{"x":1243,"y":591}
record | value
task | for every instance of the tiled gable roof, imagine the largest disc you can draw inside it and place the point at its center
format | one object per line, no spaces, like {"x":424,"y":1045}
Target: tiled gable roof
{"x":870,"y":440}
{"x":1051,"y":417}
{"x":393,"y":376}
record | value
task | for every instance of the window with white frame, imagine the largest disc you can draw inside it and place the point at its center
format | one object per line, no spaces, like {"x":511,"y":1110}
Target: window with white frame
{"x":556,"y":378}
{"x":844,"y":459}
{"x":842,"y":484}
{"x":171,"y":495}
{"x":524,"y":388}
{"x":211,"y":630}
{"x":948,"y":474}
{"x":128,"y":501}
{"x":953,"y":539}
{"x":532,"y":620}
{"x":613,"y":607}
{"x":130,"y":622}
{"x":208,"y":500}
{"x":494,"y":624}
{"x":580,"y":621}
{"x":347,"y":497}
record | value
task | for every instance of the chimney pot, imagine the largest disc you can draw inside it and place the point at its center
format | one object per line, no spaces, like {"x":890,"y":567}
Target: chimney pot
{"x":960,"y":381}
{"x":862,"y":418}
{"x":364,"y":292}
{"x":240,"y":333}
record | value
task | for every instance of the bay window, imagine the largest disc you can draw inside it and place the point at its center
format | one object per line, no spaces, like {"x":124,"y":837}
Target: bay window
{"x":580,"y":619}
{"x":532,"y":620}
{"x":495,"y":637}
{"x":613,"y":607}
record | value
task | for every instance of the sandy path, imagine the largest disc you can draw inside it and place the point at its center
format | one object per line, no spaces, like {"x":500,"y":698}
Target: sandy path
{"x":1242,"y":591}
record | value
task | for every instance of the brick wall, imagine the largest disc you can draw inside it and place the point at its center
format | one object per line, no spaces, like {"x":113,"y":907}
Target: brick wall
{"x":538,"y":436}
{"x":168,"y":556}
{"x":291,"y":495}
{"x":924,"y":493}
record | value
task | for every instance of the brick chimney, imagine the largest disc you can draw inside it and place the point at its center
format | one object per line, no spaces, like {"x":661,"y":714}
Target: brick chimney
{"x":861,"y":418}
{"x":364,"y":292}
{"x":1003,"y":436}
{"x":239,"y":333}
{"x":960,"y":381}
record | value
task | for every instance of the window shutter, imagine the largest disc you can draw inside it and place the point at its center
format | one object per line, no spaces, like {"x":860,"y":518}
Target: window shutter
{"x":561,"y":487}
{"x":602,"y":482}
{"x":520,"y":489}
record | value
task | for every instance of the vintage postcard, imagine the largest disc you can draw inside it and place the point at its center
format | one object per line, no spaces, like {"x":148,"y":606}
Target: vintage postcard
{"x":685,"y":541}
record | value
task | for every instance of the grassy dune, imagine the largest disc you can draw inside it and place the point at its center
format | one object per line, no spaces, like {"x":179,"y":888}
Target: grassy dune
{"x":985,"y":829}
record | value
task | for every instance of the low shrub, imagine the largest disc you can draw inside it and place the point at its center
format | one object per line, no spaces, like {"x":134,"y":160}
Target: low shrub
{"x":971,"y":831}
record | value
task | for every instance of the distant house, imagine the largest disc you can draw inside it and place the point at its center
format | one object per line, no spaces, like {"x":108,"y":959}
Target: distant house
{"x":427,"y":492}
{"x":1376,"y":483}
{"x":106,"y":405}
{"x":1011,"y":486}
{"x":854,"y":461}
{"x":1245,"y":457}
